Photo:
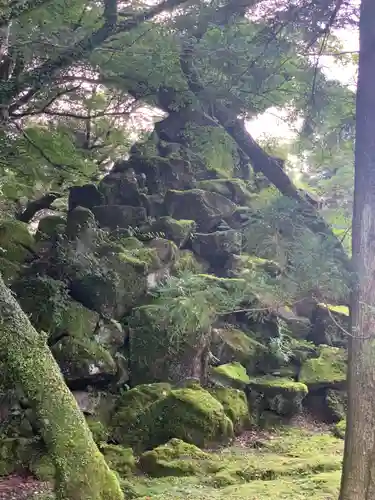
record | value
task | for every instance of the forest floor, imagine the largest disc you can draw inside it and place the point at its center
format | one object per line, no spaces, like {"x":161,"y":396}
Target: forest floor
{"x":301,"y":462}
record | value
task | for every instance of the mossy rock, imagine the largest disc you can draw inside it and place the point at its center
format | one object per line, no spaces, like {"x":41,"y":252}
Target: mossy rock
{"x":207,"y":209}
{"x":119,"y":216}
{"x":175,"y":458}
{"x":9,"y":270}
{"x":337,"y":404}
{"x":280,"y":395}
{"x":42,"y":467}
{"x":235,"y":405}
{"x":232,"y":344}
{"x":231,"y":374}
{"x":110,"y":280}
{"x":129,"y":408}
{"x":158,"y":354}
{"x":329,"y":324}
{"x":234,"y":189}
{"x":192,"y":415}
{"x":329,"y":369}
{"x":220,"y":244}
{"x":246,"y":265}
{"x":99,"y":430}
{"x":188,"y":262}
{"x":339,"y":429}
{"x":119,"y":459}
{"x":84,"y":361}
{"x":178,"y":231}
{"x":16,"y":242}
{"x":49,"y":227}
{"x":15,"y":454}
{"x":44,"y":299}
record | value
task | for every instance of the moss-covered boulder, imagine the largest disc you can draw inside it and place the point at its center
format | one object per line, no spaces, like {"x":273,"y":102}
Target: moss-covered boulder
{"x":87,"y":196}
{"x":125,"y":423}
{"x":14,"y":454}
{"x":16,"y":242}
{"x":217,"y":245}
{"x":160,"y":173}
{"x":9,"y":270}
{"x":207,"y":209}
{"x":44,"y":299}
{"x":188,"y":262}
{"x":178,"y":231}
{"x":161,"y":352}
{"x":328,"y":370}
{"x":329,"y":325}
{"x":232,"y":344}
{"x":230,"y":374}
{"x":337,"y":404}
{"x":119,"y":459}
{"x":119,"y":216}
{"x":84,"y":361}
{"x":280,"y":395}
{"x":245,"y":266}
{"x":339,"y":429}
{"x":50,"y":308}
{"x":50,"y":227}
{"x":110,"y":279}
{"x":81,"y":224}
{"x":190,"y":414}
{"x":175,"y":458}
{"x":234,"y":189}
{"x":235,"y":405}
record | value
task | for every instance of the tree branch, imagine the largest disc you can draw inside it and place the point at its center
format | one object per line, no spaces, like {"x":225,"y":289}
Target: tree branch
{"x":19,"y":9}
{"x":41,"y":75}
{"x":35,"y":206}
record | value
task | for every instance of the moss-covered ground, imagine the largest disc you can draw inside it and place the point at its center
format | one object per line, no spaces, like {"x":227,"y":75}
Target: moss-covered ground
{"x":288,"y":464}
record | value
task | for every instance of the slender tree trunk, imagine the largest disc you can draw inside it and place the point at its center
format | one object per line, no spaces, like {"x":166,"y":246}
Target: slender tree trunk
{"x":82,"y":473}
{"x":358,"y":479}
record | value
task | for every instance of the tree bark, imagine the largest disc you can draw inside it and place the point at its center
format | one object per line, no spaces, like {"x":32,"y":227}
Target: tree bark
{"x":358,"y":478}
{"x":81,"y":471}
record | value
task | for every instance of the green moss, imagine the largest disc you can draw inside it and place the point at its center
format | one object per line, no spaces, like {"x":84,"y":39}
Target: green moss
{"x":83,"y":359}
{"x":43,"y":468}
{"x":14,"y":454}
{"x":192,"y":415}
{"x":44,"y":299}
{"x":234,"y":373}
{"x":336,"y":402}
{"x":235,"y":405}
{"x":9,"y":270}
{"x":280,"y":395}
{"x":234,"y":189}
{"x":293,"y":464}
{"x":328,"y":368}
{"x":81,"y":471}
{"x":129,"y":408}
{"x":339,"y":429}
{"x":15,"y":240}
{"x":178,"y":231}
{"x":119,"y":459}
{"x":50,"y":226}
{"x":98,"y":430}
{"x":344,"y":310}
{"x":247,"y":264}
{"x":175,"y":458}
{"x":232,"y":344}
{"x":187,"y":262}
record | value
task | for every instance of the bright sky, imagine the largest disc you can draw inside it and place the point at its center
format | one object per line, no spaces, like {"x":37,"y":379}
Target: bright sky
{"x":273,"y":123}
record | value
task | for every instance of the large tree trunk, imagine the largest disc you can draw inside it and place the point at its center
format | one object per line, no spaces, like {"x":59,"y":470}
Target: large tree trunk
{"x":82,"y":472}
{"x":358,"y":479}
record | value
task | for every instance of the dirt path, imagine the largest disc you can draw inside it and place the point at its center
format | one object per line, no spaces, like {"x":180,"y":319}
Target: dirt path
{"x":20,"y":488}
